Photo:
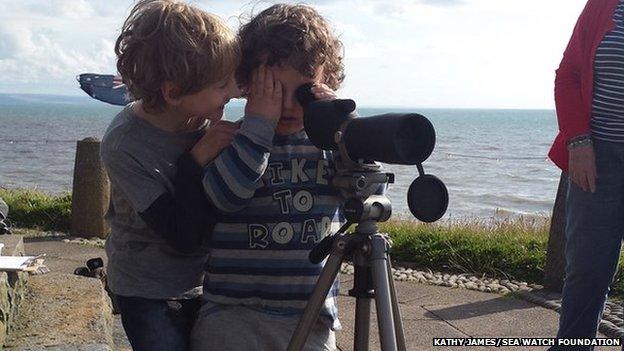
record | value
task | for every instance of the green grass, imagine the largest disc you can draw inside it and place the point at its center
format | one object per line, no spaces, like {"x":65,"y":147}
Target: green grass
{"x":38,"y":210}
{"x":514,"y":249}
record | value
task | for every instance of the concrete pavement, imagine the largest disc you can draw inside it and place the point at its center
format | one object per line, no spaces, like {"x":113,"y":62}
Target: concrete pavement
{"x":428,"y":311}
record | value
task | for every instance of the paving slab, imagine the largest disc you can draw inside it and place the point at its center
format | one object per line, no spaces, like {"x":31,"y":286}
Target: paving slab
{"x":409,"y":312}
{"x":62,"y":257}
{"x":528,"y":319}
{"x":345,"y":278}
{"x":13,"y":245}
{"x":406,"y":291}
{"x":418,"y":336}
{"x":411,"y":292}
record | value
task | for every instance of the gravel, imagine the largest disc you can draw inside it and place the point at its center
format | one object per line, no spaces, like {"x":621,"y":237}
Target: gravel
{"x":97,"y":242}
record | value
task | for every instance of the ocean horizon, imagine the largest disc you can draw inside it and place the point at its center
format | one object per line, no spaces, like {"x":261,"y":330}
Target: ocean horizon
{"x":493,"y":161}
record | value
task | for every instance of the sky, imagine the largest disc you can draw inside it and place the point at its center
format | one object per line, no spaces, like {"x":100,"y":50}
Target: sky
{"x":398,"y":53}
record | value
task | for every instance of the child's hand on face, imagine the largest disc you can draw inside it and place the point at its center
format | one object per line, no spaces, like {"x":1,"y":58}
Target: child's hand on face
{"x":323,"y":92}
{"x":265,"y":95}
{"x":217,"y":137}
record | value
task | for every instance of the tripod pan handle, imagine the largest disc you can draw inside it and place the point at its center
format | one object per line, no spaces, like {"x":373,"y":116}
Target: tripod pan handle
{"x":321,"y":250}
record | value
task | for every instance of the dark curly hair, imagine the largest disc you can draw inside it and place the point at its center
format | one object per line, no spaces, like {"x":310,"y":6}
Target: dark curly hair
{"x":295,"y":35}
{"x":166,"y":40}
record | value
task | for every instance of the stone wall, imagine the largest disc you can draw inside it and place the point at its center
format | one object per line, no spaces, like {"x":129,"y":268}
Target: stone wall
{"x":62,"y":312}
{"x":12,"y":285}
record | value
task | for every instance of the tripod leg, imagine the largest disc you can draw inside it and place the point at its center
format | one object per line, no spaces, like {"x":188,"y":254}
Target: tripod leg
{"x":383,"y":301}
{"x":396,"y":312}
{"x":362,"y":324}
{"x":324,"y":283}
{"x":362,"y":291}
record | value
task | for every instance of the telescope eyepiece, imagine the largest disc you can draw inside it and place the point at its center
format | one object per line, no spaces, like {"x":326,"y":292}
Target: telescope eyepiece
{"x":304,"y":94}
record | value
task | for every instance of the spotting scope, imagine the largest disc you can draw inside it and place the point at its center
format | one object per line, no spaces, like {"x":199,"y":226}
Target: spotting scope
{"x":394,"y":138}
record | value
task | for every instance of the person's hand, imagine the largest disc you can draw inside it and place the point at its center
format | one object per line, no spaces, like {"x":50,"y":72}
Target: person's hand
{"x":217,"y":137}
{"x":265,"y":95}
{"x":582,"y":167}
{"x":323,"y":92}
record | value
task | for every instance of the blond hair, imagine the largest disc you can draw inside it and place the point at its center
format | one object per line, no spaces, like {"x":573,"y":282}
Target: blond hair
{"x":168,"y":41}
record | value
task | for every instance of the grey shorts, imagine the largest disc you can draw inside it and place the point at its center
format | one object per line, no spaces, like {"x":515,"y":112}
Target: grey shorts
{"x":234,"y":327}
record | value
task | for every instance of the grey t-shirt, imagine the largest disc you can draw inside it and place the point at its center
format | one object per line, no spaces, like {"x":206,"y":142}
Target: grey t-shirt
{"x":141,"y":163}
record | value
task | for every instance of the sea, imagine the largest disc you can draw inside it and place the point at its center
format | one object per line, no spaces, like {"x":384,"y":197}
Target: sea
{"x":493,"y":162}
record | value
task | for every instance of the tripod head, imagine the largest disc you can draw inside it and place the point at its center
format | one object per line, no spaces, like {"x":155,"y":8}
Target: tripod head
{"x":362,"y":184}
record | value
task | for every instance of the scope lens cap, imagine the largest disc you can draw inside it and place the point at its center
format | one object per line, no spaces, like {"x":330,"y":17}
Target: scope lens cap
{"x":427,"y":198}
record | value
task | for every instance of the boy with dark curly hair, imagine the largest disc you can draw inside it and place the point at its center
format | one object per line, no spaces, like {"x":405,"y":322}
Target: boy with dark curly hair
{"x":178,"y":62}
{"x":272,"y":190}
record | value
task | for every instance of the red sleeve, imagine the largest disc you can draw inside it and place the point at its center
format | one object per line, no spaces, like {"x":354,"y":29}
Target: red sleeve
{"x":571,"y":109}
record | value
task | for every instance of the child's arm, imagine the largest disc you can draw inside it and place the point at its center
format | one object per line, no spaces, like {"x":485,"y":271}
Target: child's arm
{"x":183,"y":218}
{"x":186,"y":218}
{"x":217,"y":137}
{"x":231,"y":179}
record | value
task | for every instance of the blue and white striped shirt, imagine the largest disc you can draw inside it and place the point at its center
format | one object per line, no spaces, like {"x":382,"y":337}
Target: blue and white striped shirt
{"x":607,"y":121}
{"x":276,"y":204}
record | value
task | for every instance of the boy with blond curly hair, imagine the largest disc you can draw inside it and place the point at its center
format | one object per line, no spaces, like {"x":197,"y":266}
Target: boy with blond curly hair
{"x":272,"y":189}
{"x":179,"y":63}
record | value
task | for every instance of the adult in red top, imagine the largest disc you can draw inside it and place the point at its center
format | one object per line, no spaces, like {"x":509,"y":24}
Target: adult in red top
{"x":589,"y":95}
{"x":574,"y":82}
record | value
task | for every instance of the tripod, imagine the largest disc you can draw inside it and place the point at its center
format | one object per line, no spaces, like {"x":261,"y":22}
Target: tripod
{"x":407,"y":139}
{"x":372,"y":279}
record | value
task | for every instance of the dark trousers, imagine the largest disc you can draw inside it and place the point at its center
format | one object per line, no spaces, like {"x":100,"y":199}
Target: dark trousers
{"x":158,"y":325}
{"x":594,"y":232}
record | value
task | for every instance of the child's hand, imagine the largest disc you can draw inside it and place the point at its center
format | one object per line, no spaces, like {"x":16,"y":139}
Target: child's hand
{"x":265,"y":95}
{"x":323,"y":92}
{"x":217,"y":137}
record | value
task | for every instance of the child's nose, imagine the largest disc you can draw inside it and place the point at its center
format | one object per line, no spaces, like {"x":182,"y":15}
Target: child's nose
{"x":289,"y":102}
{"x":234,"y":90}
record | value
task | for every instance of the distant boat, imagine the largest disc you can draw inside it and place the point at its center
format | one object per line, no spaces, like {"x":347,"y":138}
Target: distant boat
{"x":105,"y":87}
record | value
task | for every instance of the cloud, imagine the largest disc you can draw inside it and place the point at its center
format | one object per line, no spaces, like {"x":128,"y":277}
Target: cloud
{"x":47,"y":43}
{"x":402,"y":9}
{"x":445,"y":53}
{"x":67,"y":9}
{"x":40,"y":58}
{"x":14,"y":40}
{"x":389,"y":3}
{"x":50,"y":52}
{"x":443,"y":2}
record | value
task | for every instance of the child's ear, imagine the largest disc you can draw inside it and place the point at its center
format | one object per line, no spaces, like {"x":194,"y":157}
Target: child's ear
{"x":171,"y":93}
